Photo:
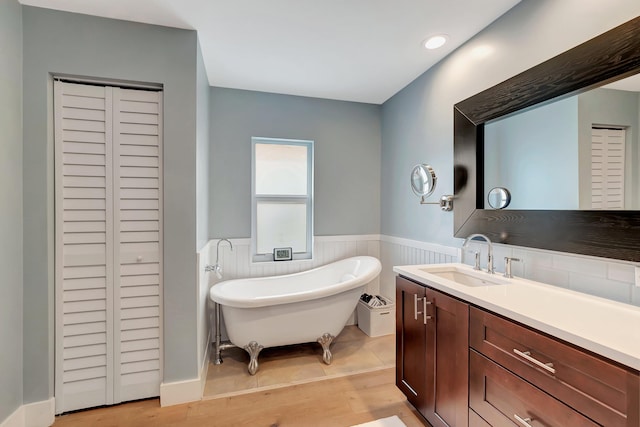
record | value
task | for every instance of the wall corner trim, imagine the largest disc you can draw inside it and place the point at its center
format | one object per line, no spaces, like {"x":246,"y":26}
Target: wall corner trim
{"x":204,"y":369}
{"x":179,"y":392}
{"x":37,"y":414}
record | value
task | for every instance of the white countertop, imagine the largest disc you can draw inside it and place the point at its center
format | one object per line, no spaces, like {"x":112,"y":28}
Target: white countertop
{"x":605,"y":327}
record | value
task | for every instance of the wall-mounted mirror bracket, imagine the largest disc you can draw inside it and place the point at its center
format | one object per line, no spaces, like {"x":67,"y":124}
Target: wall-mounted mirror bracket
{"x":446,"y":202}
{"x":423,"y":184}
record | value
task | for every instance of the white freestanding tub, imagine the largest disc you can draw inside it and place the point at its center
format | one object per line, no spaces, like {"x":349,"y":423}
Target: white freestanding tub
{"x":313,"y":305}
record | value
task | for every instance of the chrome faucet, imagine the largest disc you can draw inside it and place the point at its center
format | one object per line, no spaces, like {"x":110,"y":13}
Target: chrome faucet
{"x":490,"y":269}
{"x":217,"y":268}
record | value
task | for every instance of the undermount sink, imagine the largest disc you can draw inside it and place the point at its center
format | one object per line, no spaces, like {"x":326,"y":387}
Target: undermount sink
{"x":472,"y":278}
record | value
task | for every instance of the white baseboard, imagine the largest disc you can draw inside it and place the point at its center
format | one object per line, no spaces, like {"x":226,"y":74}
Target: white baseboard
{"x":179,"y":392}
{"x":14,"y":420}
{"x":40,"y":413}
{"x":37,"y":414}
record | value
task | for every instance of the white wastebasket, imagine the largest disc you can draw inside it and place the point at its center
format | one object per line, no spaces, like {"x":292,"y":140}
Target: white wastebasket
{"x":377,"y":321}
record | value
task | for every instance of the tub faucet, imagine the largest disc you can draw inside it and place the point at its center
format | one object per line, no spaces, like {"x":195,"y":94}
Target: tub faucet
{"x":490,"y":269}
{"x":217,"y":268}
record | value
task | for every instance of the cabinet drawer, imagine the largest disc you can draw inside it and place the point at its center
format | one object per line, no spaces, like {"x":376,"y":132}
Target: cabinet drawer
{"x":500,"y":397}
{"x":601,"y":390}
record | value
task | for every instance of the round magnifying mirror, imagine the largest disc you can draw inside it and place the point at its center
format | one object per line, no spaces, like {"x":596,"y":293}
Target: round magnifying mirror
{"x":423,"y":180}
{"x":499,"y":198}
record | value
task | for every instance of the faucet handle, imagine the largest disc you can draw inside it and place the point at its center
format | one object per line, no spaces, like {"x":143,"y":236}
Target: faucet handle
{"x":476,"y":255}
{"x":507,"y":266}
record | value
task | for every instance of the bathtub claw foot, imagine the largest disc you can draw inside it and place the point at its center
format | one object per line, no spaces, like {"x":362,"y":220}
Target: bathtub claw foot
{"x":253,"y":348}
{"x":325,"y":341}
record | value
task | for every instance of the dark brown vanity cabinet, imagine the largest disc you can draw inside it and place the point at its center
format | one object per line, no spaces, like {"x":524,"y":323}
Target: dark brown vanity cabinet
{"x":432,"y":331}
{"x":518,"y":372}
{"x":461,"y":365}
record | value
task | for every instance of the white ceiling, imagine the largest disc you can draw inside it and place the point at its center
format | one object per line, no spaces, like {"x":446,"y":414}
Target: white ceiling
{"x":631,"y":84}
{"x":354,"y":50}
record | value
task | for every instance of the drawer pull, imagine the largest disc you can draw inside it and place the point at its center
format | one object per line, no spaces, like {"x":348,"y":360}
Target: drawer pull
{"x":527,"y":356}
{"x":524,"y":421}
{"x":424,"y":308}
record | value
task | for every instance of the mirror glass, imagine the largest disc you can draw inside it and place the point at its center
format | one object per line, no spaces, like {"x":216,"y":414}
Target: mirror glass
{"x":499,"y":198}
{"x":580,"y":152}
{"x":423,"y":180}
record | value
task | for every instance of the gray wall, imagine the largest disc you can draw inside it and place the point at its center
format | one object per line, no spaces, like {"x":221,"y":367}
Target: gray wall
{"x":60,"y":42}
{"x":347,"y":158}
{"x":10,"y":207}
{"x":614,"y":108}
{"x":202,"y":153}
{"x":202,"y":198}
{"x":417,"y":123}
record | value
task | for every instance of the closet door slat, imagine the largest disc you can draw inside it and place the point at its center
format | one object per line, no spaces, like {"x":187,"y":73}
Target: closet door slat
{"x":108,"y":239}
{"x":84,"y":246}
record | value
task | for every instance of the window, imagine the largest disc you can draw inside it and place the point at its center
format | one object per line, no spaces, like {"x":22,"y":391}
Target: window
{"x":282,"y":197}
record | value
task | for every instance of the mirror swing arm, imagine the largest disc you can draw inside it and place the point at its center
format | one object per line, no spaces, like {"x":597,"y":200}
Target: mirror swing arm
{"x":423,"y":184}
{"x":445,"y":202}
{"x":613,"y":234}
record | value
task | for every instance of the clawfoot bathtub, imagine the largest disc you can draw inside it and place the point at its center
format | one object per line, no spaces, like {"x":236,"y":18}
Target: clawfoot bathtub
{"x":313,"y":305}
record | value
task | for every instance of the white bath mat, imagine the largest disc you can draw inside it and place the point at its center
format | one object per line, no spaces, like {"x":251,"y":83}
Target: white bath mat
{"x":384,"y":422}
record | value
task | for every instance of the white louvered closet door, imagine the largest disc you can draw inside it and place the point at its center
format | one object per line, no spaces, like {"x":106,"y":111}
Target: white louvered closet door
{"x":607,"y":168}
{"x":108,"y":244}
{"x":137,"y":194}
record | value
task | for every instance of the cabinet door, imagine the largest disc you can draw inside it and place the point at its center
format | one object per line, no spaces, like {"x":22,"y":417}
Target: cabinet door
{"x":411,"y":342}
{"x":447,"y":360}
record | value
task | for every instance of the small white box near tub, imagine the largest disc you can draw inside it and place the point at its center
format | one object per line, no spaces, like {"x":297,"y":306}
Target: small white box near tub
{"x":377,"y":321}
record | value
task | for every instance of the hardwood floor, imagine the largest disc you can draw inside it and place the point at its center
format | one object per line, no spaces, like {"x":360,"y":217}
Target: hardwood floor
{"x":334,"y":402}
{"x":292,"y":388}
{"x":353,"y":352}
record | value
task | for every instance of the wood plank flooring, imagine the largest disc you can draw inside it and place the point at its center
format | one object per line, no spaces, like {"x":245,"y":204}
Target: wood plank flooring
{"x":292,"y":388}
{"x":334,"y":402}
{"x":353,"y":352}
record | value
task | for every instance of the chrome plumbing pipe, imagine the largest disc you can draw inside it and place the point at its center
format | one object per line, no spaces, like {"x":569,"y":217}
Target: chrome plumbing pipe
{"x":218,"y":344}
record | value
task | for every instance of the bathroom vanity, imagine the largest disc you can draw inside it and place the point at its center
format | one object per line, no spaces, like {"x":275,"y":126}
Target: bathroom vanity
{"x":478,"y":349}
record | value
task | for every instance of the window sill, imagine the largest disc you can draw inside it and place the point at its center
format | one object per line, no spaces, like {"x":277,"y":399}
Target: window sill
{"x":287,"y":263}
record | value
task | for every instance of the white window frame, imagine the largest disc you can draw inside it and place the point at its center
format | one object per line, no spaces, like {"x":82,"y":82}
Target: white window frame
{"x":277,"y":198}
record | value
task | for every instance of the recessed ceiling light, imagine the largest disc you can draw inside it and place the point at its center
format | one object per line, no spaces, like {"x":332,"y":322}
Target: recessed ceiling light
{"x":435,"y":41}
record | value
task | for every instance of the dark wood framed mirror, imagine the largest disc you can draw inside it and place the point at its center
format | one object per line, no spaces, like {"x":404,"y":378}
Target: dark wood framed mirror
{"x":612,"y":234}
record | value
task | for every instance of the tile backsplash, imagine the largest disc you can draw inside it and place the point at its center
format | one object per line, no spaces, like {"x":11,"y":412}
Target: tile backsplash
{"x":602,"y":277}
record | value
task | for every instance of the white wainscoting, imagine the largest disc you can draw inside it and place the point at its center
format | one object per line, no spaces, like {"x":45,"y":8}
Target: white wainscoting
{"x":389,"y":250}
{"x":237,"y":264}
{"x":399,"y":251}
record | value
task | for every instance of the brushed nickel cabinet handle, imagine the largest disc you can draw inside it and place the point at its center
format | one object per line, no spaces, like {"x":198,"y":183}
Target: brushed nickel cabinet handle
{"x":524,"y":421}
{"x":527,"y":356}
{"x":424,"y":309}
